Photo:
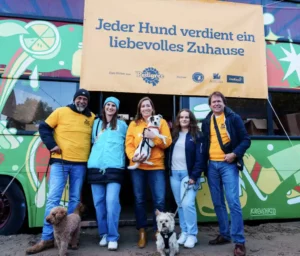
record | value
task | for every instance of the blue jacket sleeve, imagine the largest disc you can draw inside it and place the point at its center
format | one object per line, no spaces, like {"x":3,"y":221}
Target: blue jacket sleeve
{"x":200,"y":158}
{"x":46,"y":133}
{"x":243,"y":137}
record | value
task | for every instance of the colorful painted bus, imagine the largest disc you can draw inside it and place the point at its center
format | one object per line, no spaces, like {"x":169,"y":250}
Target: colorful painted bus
{"x":40,"y":61}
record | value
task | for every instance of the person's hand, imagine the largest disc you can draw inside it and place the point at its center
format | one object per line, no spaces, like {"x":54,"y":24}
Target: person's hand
{"x":191,"y":182}
{"x":139,"y":158}
{"x":56,"y":149}
{"x":149,"y":134}
{"x":229,"y":158}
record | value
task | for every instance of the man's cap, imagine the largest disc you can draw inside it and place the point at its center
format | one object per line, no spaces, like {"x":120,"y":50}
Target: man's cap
{"x":82,"y":92}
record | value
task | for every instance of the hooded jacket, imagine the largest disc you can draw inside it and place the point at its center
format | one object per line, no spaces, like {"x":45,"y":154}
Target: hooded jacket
{"x":239,"y":138}
{"x":107,"y":159}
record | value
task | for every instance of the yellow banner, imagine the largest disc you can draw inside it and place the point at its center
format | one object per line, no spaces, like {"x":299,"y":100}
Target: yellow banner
{"x":174,"y":47}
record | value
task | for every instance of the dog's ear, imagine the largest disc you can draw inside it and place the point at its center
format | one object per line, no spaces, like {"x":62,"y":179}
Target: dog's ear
{"x":151,"y":118}
{"x":171,"y":214}
{"x":157,"y":212}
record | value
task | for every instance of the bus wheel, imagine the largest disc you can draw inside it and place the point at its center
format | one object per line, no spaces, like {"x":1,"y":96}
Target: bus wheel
{"x":12,"y":207}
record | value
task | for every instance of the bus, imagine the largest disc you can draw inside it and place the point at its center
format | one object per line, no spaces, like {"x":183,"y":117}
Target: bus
{"x":40,"y":61}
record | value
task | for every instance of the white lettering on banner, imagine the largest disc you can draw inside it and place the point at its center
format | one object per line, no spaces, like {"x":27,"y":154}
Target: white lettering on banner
{"x":263,"y":212}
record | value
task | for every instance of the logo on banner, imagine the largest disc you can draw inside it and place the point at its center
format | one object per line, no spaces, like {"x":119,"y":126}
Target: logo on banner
{"x":150,"y":75}
{"x":198,"y":77}
{"x":235,"y":79}
{"x":216,"y":78}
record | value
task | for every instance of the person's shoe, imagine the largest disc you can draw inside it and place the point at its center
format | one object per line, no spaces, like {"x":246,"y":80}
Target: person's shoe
{"x":190,"y":242}
{"x":40,"y":246}
{"x":142,"y":238}
{"x":239,"y":250}
{"x":112,"y":245}
{"x":182,"y":238}
{"x":103,"y":241}
{"x":219,"y":241}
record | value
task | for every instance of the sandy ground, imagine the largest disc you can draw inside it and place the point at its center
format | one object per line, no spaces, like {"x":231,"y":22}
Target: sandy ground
{"x":272,"y":239}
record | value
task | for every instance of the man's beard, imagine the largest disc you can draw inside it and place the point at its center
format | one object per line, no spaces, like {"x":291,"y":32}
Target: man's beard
{"x":80,"y":108}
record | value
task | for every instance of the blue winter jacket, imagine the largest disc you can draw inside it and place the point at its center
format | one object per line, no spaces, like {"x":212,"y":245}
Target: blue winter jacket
{"x":107,"y":158}
{"x":195,"y":153}
{"x":239,"y":138}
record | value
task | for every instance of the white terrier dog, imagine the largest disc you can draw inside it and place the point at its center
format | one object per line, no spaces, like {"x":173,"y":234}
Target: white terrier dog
{"x":166,"y":239}
{"x":146,"y":144}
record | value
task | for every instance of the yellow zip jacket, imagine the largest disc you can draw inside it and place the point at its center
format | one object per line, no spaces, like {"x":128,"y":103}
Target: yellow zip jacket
{"x":134,"y":137}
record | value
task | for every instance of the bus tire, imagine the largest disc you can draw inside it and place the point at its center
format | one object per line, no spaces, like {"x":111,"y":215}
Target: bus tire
{"x":12,"y":207}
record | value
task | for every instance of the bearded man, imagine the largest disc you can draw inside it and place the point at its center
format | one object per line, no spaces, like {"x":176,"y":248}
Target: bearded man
{"x":67,"y":135}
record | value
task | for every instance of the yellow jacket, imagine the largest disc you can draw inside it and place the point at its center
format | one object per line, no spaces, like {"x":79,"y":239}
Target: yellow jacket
{"x":134,"y":137}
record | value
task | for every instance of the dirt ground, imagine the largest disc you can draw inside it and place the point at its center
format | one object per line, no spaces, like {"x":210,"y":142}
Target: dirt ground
{"x":272,"y":239}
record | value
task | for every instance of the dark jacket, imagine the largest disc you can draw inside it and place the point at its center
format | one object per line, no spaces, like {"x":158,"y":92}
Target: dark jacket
{"x":195,"y":153}
{"x":239,"y":138}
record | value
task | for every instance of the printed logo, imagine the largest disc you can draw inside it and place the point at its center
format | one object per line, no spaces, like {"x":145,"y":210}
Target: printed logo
{"x":87,"y":122}
{"x":150,"y":75}
{"x":198,"y":77}
{"x":263,"y":211}
{"x":235,"y":79}
{"x":216,"y":78}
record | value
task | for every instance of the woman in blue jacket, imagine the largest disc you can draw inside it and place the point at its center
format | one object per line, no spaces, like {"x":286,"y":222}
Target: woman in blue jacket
{"x":187,"y":161}
{"x":106,"y":170}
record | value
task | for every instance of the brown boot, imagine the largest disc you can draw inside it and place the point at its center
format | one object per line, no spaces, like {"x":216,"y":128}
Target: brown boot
{"x":40,"y":246}
{"x":142,"y":238}
{"x":239,"y":250}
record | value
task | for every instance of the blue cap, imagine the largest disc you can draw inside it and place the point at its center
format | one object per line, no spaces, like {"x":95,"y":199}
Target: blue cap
{"x":113,"y":100}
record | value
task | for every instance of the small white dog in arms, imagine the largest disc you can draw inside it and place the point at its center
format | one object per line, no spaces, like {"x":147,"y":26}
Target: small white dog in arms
{"x":146,"y":144}
{"x":166,"y":242}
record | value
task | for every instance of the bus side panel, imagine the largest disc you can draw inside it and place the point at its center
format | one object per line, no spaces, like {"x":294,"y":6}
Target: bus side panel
{"x":29,"y":154}
{"x":269,"y":184}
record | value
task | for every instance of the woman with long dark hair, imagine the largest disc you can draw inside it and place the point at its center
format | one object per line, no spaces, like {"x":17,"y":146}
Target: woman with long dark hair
{"x":153,"y":175}
{"x":186,"y":163}
{"x":106,"y":166}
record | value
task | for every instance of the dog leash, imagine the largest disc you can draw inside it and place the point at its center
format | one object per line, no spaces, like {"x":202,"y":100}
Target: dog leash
{"x":186,"y":190}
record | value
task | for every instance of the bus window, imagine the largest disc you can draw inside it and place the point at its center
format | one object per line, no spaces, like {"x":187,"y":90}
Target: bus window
{"x":25,"y":107}
{"x":253,"y":112}
{"x":287,"y":107}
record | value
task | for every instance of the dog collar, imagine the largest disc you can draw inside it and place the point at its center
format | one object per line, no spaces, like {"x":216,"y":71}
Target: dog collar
{"x":166,"y":237}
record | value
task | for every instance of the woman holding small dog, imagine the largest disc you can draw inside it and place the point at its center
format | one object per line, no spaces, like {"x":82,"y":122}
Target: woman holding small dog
{"x":154,"y":174}
{"x":106,"y":166}
{"x":187,"y":161}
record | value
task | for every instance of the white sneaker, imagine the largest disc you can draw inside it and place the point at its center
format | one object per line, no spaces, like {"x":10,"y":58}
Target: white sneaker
{"x":113,"y":245}
{"x":103,"y":241}
{"x":190,"y":242}
{"x":182,"y":238}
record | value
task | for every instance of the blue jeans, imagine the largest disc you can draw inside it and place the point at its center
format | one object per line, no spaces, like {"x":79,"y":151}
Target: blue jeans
{"x":58,"y":178}
{"x":108,"y":208}
{"x":222,"y":175}
{"x":157,"y":182}
{"x":187,"y":208}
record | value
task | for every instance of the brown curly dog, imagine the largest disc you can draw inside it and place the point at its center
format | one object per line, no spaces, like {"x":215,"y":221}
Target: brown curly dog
{"x":66,"y":227}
